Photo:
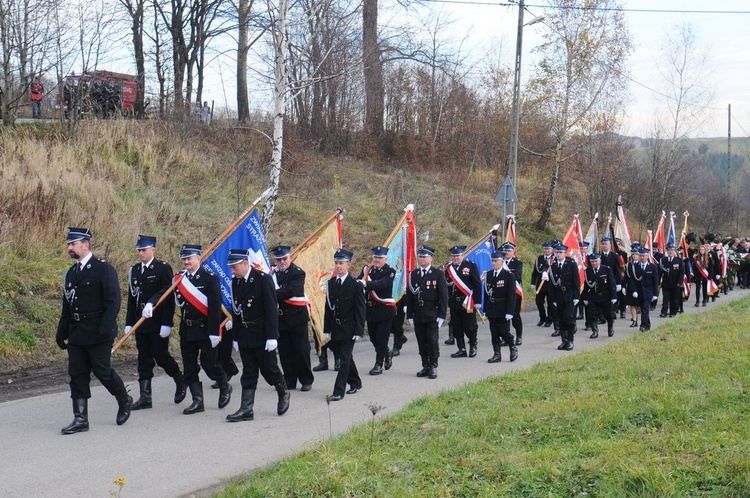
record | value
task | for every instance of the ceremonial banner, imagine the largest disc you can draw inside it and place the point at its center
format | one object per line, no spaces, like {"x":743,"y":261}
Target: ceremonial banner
{"x":621,"y":230}
{"x":315,"y":256}
{"x":661,"y":247}
{"x":650,"y":246}
{"x":402,"y":251}
{"x":592,"y":236}
{"x":671,"y":234}
{"x":510,"y":232}
{"x":573,"y":239}
{"x":248,"y":235}
{"x":481,"y":254}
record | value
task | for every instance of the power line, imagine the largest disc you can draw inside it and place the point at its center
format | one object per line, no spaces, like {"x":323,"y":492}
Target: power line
{"x":600,"y":9}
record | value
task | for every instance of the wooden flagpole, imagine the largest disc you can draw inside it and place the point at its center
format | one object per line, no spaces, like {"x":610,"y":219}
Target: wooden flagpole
{"x":211,"y":248}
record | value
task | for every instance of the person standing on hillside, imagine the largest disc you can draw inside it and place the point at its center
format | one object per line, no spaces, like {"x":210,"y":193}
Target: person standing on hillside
{"x":672,"y":272}
{"x":36,"y":95}
{"x":255,"y":330}
{"x":294,"y":344}
{"x":464,"y":297}
{"x":426,"y":306}
{"x":566,"y":286}
{"x":515,"y":265}
{"x":199,"y":298}
{"x":344,"y":322}
{"x":599,"y":295}
{"x":147,"y":282}
{"x":87,"y":329}
{"x":499,"y":306}
{"x":644,"y":286}
{"x":377,"y":279}
{"x":542,"y":299}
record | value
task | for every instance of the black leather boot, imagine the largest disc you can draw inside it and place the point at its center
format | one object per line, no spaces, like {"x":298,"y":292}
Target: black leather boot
{"x":513,"y":353}
{"x":322,"y":364}
{"x":595,"y":333}
{"x":144,"y":402}
{"x":225,"y":392}
{"x":180,"y":389}
{"x":196,"y":391}
{"x":336,"y":363}
{"x":496,"y":357}
{"x":124,"y":405}
{"x":80,"y":421}
{"x":377,"y":369}
{"x":284,"y":396}
{"x":388,"y":360}
{"x":610,"y":330}
{"x":246,"y":407}
{"x":472,"y":350}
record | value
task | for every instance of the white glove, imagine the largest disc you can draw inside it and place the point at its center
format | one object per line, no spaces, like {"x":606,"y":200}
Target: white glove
{"x":327,"y":337}
{"x":718,"y":277}
{"x":554,"y":304}
{"x":214,"y":340}
{"x":354,"y":338}
{"x":440,"y":322}
{"x":509,"y":317}
{"x":228,"y":325}
{"x":635,"y":295}
{"x":127,"y":329}
{"x":411,"y":321}
{"x":361,"y":281}
{"x":586,"y":303}
{"x":619,"y":287}
{"x":404,"y":309}
{"x":614,"y":301}
{"x":148,"y":310}
{"x":654,"y":298}
{"x":575,"y":302}
{"x":624,"y":292}
{"x":165,"y":330}
{"x":478,"y":306}
{"x":545,"y":277}
{"x":236,"y":345}
{"x":271,"y":344}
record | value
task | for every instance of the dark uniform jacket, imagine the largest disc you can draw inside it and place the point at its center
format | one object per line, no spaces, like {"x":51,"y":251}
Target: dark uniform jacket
{"x":599,"y":287}
{"x":516,"y":267}
{"x":291,"y":283}
{"x":91,"y":302}
{"x":565,"y":282}
{"x":426,"y":298}
{"x":255,"y":315}
{"x":540,"y":266}
{"x":469,"y":274}
{"x":195,"y":326}
{"x":672,"y":272}
{"x":381,"y":282}
{"x":148,"y":288}
{"x":345,"y":309}
{"x":612,"y":259}
{"x":500,"y":299}
{"x":644,"y":282}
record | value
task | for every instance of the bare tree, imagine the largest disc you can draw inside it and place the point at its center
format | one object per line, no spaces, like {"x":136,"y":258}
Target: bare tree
{"x":136,"y":12}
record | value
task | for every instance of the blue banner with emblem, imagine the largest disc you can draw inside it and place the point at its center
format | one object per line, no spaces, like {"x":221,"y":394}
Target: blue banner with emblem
{"x":396,"y":261}
{"x":481,"y":255}
{"x":248,"y":235}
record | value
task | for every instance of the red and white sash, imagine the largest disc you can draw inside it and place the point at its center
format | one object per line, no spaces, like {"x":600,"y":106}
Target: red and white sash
{"x":711,"y":288}
{"x":468,"y":303}
{"x":388,"y":301}
{"x":192,"y":294}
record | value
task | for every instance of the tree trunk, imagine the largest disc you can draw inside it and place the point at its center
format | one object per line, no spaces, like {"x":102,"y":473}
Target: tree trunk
{"x":243,"y":18}
{"x":373,"y":69}
{"x":541,"y":223}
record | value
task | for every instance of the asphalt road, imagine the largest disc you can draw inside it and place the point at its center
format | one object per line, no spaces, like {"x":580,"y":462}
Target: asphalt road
{"x":161,"y":452}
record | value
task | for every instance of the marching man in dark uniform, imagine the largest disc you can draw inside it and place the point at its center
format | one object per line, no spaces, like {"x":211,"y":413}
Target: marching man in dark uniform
{"x":499,"y":305}
{"x":148,"y":280}
{"x":566,"y":289}
{"x":464,"y":295}
{"x":426,"y":305}
{"x":672,"y":271}
{"x":344,"y":322}
{"x":199,"y":297}
{"x":87,"y":329}
{"x":294,"y":344}
{"x":515,"y":265}
{"x":377,"y":280}
{"x":612,"y":260}
{"x":644,"y":286}
{"x":255,"y":329}
{"x":542,"y":299}
{"x":599,"y":295}
{"x":622,"y":298}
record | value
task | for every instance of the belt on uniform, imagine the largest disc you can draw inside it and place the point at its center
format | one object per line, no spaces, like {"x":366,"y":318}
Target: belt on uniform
{"x":77,"y":317}
{"x":562,"y":287}
{"x":459,"y":299}
{"x":194,"y":323}
{"x":497,"y":299}
{"x":340,"y":321}
{"x":249,"y":324}
{"x":141,"y":306}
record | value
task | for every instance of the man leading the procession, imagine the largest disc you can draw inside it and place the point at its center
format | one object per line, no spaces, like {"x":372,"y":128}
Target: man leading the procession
{"x":199,"y":298}
{"x":542,"y":299}
{"x":147,"y":282}
{"x":344,"y":322}
{"x":464,"y":297}
{"x":672,"y":271}
{"x":87,"y":329}
{"x":426,"y":305}
{"x":515,"y":265}
{"x":612,"y":260}
{"x":377,"y":280}
{"x":599,"y":295}
{"x":499,"y":305}
{"x":644,"y":286}
{"x":294,"y":344}
{"x":566,"y":288}
{"x":255,"y":330}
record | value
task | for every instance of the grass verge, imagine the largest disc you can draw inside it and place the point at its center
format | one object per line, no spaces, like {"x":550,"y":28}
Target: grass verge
{"x":662,"y":414}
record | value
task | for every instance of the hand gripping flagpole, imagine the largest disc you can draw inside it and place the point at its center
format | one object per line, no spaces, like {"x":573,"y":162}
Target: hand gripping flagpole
{"x":474,"y":246}
{"x":214,"y":245}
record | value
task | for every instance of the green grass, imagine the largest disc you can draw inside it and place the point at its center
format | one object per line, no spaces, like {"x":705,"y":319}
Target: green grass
{"x":663,"y":414}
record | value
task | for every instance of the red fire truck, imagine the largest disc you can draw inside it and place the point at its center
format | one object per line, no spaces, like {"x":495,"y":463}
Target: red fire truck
{"x":101,"y":94}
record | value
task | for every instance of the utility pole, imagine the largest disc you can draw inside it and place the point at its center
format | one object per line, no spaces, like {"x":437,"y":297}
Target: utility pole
{"x":729,"y":144}
{"x":513,"y":149}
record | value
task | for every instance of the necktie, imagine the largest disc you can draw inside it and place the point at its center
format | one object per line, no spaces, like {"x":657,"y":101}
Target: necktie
{"x":143,"y":268}
{"x":596,"y":271}
{"x":339,"y":280}
{"x":78,"y":269}
{"x":497,"y":273}
{"x":643,"y":266}
{"x":422,"y":273}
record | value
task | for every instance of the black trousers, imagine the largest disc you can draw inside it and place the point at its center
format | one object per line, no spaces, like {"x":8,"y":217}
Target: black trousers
{"x":544,"y":305}
{"x":397,"y":324}
{"x":566,"y":312}
{"x":224,"y":356}
{"x":671,"y":300}
{"x":294,"y":353}
{"x":500,"y":331}
{"x":191,"y":352}
{"x":464,"y":324}
{"x":258,"y":360}
{"x":645,"y":309}
{"x":379,"y":333}
{"x":154,"y":350}
{"x":83,"y":360}
{"x":701,"y":284}
{"x":517,"y":322}
{"x":599,"y":309}
{"x":348,"y":370}
{"x":427,"y":341}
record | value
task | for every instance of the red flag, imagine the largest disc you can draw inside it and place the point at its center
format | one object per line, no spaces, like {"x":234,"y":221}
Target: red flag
{"x":659,"y":237}
{"x":573,"y":239}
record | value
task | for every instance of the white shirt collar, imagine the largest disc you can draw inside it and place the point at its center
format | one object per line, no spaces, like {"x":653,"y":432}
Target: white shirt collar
{"x":85,"y":259}
{"x":248,"y":273}
{"x":146,"y":265}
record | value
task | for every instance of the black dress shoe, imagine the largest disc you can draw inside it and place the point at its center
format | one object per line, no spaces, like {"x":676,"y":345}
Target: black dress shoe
{"x":433,"y":373}
{"x":610,"y":331}
{"x":662,"y":315}
{"x":547,"y":324}
{"x":353,"y":390}
{"x":424,"y":372}
{"x":696,"y":305}
{"x":562,"y":346}
{"x":472,"y":351}
{"x":461,"y":353}
{"x":450,"y":341}
{"x":643,"y":329}
{"x":376,"y":370}
{"x":337,"y":364}
{"x":540,"y":323}
{"x":388,"y":360}
{"x":556,"y":333}
{"x":323,"y":365}
{"x":594,"y":334}
{"x":513,"y":354}
{"x":305,"y":387}
{"x":395,"y":352}
{"x":569,"y":346}
{"x":519,"y":341}
{"x":633,"y":323}
{"x":622,"y":314}
{"x":587,"y":327}
{"x":496,"y":358}
{"x":335,"y":397}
